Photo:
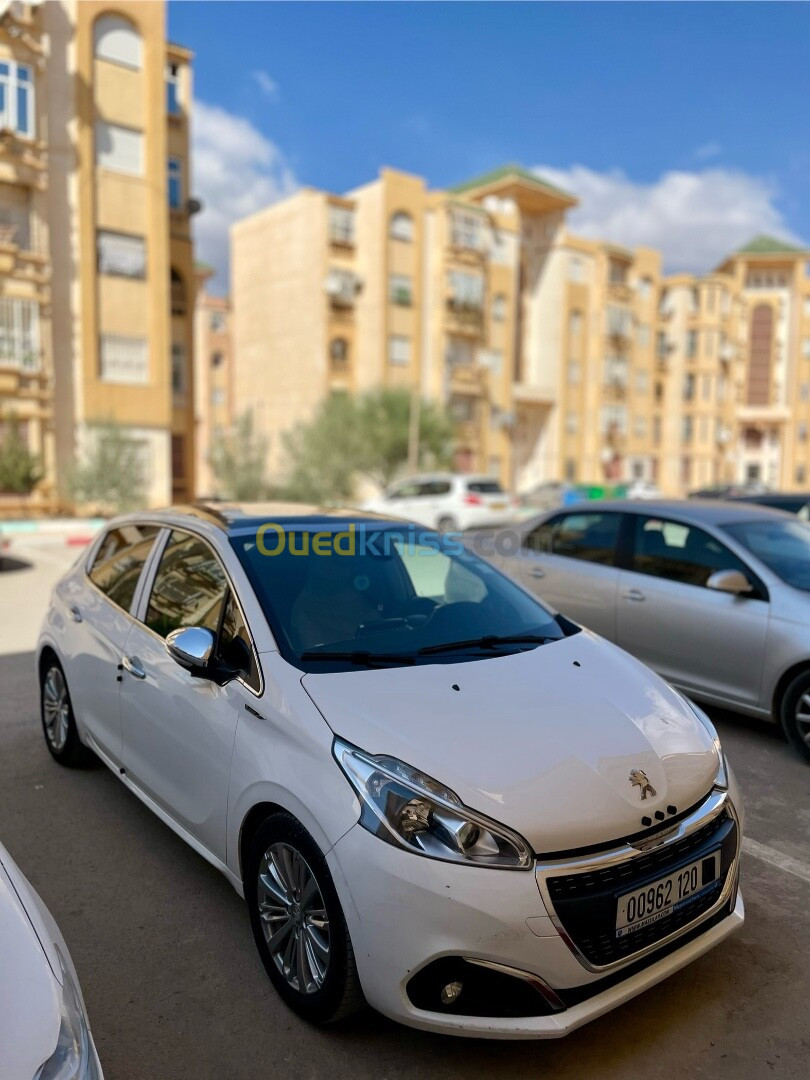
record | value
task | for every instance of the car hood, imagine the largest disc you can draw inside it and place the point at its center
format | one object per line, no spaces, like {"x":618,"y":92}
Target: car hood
{"x":29,"y":993}
{"x":543,"y":741}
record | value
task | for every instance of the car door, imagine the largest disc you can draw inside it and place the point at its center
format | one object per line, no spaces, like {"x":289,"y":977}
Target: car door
{"x":178,"y":729}
{"x":98,"y":602}
{"x":708,"y":642}
{"x":569,"y":560}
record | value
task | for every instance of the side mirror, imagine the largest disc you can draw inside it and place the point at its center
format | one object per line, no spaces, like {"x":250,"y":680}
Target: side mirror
{"x":730,"y":581}
{"x":192,"y":647}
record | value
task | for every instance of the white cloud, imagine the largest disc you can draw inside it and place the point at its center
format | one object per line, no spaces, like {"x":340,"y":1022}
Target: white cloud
{"x":236,"y":170}
{"x":694,"y":218}
{"x":266,"y":83}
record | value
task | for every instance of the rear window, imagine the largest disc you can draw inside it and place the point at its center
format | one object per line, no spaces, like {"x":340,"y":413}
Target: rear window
{"x":119,"y":561}
{"x":485,"y":487}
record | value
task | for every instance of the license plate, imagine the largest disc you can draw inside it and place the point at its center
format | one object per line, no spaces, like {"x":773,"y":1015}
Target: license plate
{"x":497,"y":506}
{"x":642,"y":907}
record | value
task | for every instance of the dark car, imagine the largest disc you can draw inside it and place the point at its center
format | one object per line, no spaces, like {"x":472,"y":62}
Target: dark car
{"x":798,"y":502}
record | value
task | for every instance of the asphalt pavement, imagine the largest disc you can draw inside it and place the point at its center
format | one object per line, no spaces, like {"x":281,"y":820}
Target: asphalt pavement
{"x":175,"y":988}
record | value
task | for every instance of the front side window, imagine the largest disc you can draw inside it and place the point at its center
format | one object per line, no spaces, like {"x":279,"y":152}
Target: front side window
{"x":175,"y":181}
{"x":784,"y":547}
{"x":17,"y":97}
{"x":234,"y":646}
{"x":189,"y":587}
{"x":323,"y":594}
{"x":119,"y":561}
{"x":679,"y":552}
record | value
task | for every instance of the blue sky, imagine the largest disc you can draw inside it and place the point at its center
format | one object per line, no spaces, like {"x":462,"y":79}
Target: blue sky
{"x":684,"y":126}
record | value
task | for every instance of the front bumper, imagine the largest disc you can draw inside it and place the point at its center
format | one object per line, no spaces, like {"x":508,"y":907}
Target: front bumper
{"x":405,"y":912}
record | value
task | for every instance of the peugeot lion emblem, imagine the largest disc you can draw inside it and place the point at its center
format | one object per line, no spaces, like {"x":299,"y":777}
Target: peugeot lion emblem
{"x":638,"y":778}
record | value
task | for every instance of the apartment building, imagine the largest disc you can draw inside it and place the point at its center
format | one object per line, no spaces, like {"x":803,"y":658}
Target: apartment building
{"x":213,"y":376}
{"x":98,"y":288}
{"x":26,"y":359}
{"x":558,"y":357}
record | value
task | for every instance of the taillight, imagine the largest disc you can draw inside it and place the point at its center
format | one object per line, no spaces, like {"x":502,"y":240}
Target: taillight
{"x":473,"y":500}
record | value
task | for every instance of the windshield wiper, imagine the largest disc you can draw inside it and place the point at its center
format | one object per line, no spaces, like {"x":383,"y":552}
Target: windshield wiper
{"x":490,"y":641}
{"x":359,"y":656}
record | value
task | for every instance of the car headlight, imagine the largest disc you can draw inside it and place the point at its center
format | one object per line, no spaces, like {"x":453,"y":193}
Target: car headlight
{"x":403,"y":806}
{"x":721,"y":780}
{"x":74,"y":1057}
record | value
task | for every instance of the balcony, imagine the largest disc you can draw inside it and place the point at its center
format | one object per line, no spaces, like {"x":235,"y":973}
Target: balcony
{"x":342,"y":288}
{"x":23,"y":161}
{"x":179,"y":301}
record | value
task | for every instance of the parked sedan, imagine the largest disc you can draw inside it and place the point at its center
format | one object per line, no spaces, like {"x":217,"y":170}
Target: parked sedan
{"x":44,"y":1031}
{"x":712,"y":595}
{"x":797,"y":503}
{"x":448,"y":502}
{"x":432,"y":792}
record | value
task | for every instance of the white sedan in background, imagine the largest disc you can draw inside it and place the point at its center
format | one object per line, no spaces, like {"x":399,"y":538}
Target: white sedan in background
{"x":44,"y":1031}
{"x":447,"y":502}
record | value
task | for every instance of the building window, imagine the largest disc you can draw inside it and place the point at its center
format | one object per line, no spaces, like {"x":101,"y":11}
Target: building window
{"x":399,"y":350}
{"x":619,"y":320}
{"x":400,"y":290}
{"x":339,"y":355}
{"x":177,"y":293}
{"x":124,"y":359}
{"x":463,"y":409}
{"x":217,"y":396}
{"x":19,"y":334}
{"x":119,"y":148}
{"x":499,"y":307}
{"x":17,"y":97}
{"x":575,"y":268}
{"x":644,"y":287}
{"x":342,"y":287}
{"x":117,"y":40}
{"x":614,"y":420}
{"x":217,"y":322}
{"x":570,"y":469}
{"x":341,"y":225}
{"x":466,"y":230}
{"x":689,"y":387}
{"x":691,"y":344}
{"x":175,"y":180}
{"x":401,"y":226}
{"x":466,"y":290}
{"x":503,"y":248}
{"x":687,"y":429}
{"x":801,"y":432}
{"x":178,"y":369}
{"x":459,"y":352}
{"x":491,"y":360}
{"x":616,"y":371}
{"x":575,"y":323}
{"x":173,"y":104}
{"x":617,"y":272}
{"x":121,"y":255}
{"x":217,"y":359}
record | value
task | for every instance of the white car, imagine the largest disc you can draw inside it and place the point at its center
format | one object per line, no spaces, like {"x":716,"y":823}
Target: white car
{"x":44,"y":1031}
{"x":433,"y":793}
{"x":447,"y":502}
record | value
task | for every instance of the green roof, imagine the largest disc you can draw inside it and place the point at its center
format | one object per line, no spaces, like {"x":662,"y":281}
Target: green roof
{"x":769,"y":245}
{"x":510,"y":170}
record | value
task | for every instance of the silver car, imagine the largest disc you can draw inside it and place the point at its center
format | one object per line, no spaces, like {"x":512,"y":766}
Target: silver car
{"x":714,"y":596}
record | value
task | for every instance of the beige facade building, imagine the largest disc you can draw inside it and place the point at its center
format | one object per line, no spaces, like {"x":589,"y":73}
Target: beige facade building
{"x":559,"y":358}
{"x":213,"y":377}
{"x":94,"y":178}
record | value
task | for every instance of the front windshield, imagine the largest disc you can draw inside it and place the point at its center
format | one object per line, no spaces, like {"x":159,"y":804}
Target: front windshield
{"x":784,"y":547}
{"x":370,"y":592}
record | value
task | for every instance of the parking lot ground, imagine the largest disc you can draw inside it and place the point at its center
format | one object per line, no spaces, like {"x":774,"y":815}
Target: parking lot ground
{"x":175,"y":988}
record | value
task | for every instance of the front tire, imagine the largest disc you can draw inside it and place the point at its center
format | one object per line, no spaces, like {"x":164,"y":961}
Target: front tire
{"x":58,"y":721}
{"x":794,"y":714}
{"x":298,"y":923}
{"x":447,"y":524}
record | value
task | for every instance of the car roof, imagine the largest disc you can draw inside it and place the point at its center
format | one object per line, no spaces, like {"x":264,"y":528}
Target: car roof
{"x":422,"y":477}
{"x":231,"y":517}
{"x":705,"y":511}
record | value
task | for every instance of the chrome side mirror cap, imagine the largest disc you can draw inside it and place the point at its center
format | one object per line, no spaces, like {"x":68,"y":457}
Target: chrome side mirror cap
{"x":730,"y":581}
{"x":191,"y":647}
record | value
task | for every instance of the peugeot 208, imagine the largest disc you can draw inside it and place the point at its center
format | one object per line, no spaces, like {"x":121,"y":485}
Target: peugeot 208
{"x":434,"y":793}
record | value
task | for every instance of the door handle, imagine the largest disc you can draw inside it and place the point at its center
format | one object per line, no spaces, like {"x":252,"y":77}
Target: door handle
{"x":633,"y":594}
{"x":75,"y":614}
{"x":133,"y":665}
{"x":537,"y":572}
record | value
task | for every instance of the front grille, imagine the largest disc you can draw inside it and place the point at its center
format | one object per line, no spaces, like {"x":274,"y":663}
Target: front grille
{"x":585,"y":902}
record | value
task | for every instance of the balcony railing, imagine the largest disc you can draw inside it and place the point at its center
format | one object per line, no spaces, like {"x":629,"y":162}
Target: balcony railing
{"x":19,"y":229}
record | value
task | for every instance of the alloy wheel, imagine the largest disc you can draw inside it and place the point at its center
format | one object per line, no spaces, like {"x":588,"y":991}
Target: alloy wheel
{"x":803,"y":718}
{"x":293,"y":918}
{"x":56,"y":708}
